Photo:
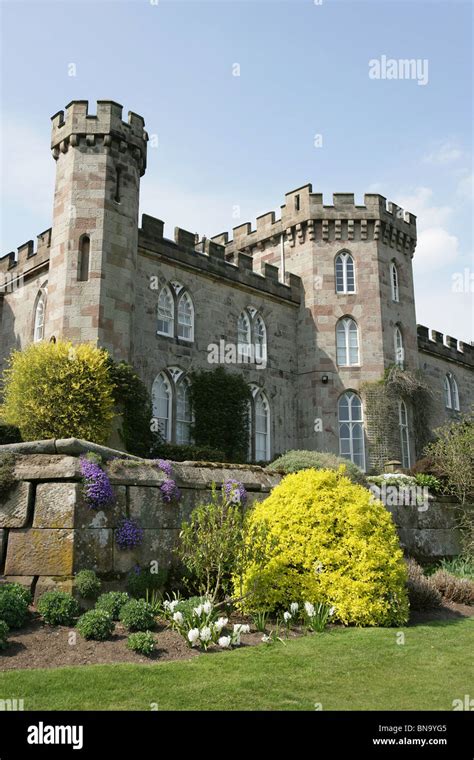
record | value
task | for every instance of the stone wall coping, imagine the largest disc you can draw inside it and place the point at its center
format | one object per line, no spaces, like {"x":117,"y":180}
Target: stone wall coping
{"x":70,"y":446}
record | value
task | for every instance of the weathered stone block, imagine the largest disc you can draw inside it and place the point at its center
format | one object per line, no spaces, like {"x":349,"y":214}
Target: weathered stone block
{"x":157,"y":546}
{"x":44,"y":467}
{"x":85,"y":517}
{"x":52,"y":583}
{"x":14,"y":510}
{"x":40,"y":551}
{"x":136,"y":474}
{"x":55,"y":505}
{"x":438,"y":515}
{"x":93,"y":549}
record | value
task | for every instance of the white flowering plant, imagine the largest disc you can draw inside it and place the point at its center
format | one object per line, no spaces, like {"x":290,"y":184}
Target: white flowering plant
{"x":201,"y":623}
{"x":315,"y":617}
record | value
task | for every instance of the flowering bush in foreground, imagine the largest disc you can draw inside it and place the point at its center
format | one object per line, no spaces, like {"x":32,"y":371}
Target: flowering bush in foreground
{"x":328,"y":540}
{"x":97,"y":491}
{"x":169,"y":490}
{"x":202,"y":626}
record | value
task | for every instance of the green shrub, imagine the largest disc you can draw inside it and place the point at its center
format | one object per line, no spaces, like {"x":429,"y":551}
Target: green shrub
{"x":432,"y":483}
{"x":9,"y":434}
{"x":88,"y":584}
{"x":133,"y":402}
{"x":137,"y":615}
{"x":112,"y":602}
{"x":460,"y":590}
{"x":181,"y":453}
{"x":7,"y":473}
{"x":461,"y":567}
{"x":13,"y":605}
{"x":57,"y":390}
{"x":95,"y":624}
{"x":453,"y":455}
{"x":142,"y":642}
{"x":3,"y":635}
{"x":422,"y":593}
{"x":327,"y":540}
{"x":294,"y":461}
{"x":17,"y":588}
{"x":141,"y":580}
{"x":57,"y":608}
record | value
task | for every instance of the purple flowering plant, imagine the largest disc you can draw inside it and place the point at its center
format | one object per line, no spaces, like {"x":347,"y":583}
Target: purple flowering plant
{"x":234,"y":492}
{"x":169,"y":490}
{"x":128,"y":534}
{"x":97,"y":490}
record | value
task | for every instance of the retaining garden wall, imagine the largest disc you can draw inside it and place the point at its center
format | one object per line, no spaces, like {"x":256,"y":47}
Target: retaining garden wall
{"x":48,"y":532}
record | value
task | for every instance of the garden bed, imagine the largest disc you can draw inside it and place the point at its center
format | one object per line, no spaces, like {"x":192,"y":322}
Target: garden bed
{"x":38,"y":645}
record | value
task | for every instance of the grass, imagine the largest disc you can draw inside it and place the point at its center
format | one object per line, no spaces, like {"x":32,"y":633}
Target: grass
{"x":342,"y":669}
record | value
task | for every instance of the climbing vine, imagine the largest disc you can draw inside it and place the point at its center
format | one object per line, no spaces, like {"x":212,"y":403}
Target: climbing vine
{"x":220,"y":405}
{"x":134,"y":403}
{"x":381,"y":411}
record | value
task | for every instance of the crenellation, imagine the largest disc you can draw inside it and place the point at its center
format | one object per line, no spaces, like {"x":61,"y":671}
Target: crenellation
{"x":444,"y":346}
{"x":184,"y":238}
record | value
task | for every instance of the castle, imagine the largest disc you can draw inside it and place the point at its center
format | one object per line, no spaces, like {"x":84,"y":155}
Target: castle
{"x":315,"y":305}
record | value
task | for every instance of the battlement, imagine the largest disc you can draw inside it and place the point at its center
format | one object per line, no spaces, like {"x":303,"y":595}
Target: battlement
{"x":444,"y":346}
{"x":305,"y":216}
{"x":18,"y":264}
{"x":78,"y":126}
{"x":209,"y":257}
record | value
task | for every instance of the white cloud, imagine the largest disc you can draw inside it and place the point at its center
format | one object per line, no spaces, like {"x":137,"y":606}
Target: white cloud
{"x":420,"y":203}
{"x":443,"y":154}
{"x":465,"y":188}
{"x":439,"y":308}
{"x":436,"y":248}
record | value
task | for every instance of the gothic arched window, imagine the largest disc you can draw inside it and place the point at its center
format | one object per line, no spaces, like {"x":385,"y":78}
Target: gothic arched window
{"x":243,"y":336}
{"x":347,"y":342}
{"x":404,"y":435}
{"x":260,"y":339}
{"x":185,"y":317}
{"x":394,"y":281}
{"x":398,"y":346}
{"x":162,"y":405}
{"x":166,"y":312}
{"x":351,"y":429}
{"x":451,"y":393}
{"x":345,"y":273}
{"x":184,"y":415}
{"x":38,"y":325}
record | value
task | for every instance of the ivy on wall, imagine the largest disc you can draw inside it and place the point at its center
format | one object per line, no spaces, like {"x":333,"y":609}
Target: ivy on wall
{"x":134,"y":404}
{"x":220,"y":402}
{"x":381,"y":412}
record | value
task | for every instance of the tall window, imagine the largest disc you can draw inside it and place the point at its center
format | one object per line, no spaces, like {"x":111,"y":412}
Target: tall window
{"x":394,"y":281}
{"x":345,"y":276}
{"x":347,"y":342}
{"x":243,"y":336}
{"x":183,"y":412}
{"x":162,"y":405}
{"x":451,"y":393}
{"x":260,"y":340}
{"x":351,"y":429}
{"x":83,"y":263}
{"x":259,"y":426}
{"x":398,"y":345}
{"x":165,"y":312}
{"x":404,"y":435}
{"x":38,"y":329}
{"x":185,"y":317}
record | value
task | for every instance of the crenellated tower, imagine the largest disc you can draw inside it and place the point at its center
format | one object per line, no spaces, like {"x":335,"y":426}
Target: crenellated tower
{"x":99,"y":162}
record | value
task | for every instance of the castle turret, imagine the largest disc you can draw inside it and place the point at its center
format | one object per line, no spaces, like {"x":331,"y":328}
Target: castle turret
{"x":99,"y":160}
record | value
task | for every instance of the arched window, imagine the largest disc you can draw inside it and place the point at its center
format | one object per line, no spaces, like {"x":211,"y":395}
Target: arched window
{"x":451,"y":393}
{"x":351,"y":429}
{"x":183,"y":412}
{"x":347,"y":342}
{"x":38,"y":328}
{"x":162,"y":405}
{"x":398,"y":345}
{"x":404,"y":435}
{"x":260,"y":340}
{"x":166,"y":312}
{"x":394,"y":281}
{"x":185,"y":317}
{"x":262,"y":428}
{"x":345,"y":275}
{"x":83,"y":263}
{"x":243,"y":336}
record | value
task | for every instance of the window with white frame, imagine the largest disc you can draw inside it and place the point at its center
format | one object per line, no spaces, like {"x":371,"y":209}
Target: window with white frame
{"x":166,"y":312}
{"x":260,"y":339}
{"x":162,"y":405}
{"x":404,"y":434}
{"x":394,"y":281}
{"x":243,"y":336}
{"x":351,"y":429}
{"x":184,"y":416}
{"x":345,"y":273}
{"x":398,"y":346}
{"x":259,"y":426}
{"x":347,"y":342}
{"x":451,"y":392}
{"x":185,"y":317}
{"x":38,"y":328}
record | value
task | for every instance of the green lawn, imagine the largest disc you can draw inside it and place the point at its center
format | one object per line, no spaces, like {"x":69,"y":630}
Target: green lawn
{"x":344,"y":669}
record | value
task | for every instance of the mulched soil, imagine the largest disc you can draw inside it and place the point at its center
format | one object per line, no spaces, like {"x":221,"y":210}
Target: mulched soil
{"x":41,"y":646}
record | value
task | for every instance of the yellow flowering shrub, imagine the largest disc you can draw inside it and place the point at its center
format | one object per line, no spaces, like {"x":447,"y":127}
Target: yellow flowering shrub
{"x":57,"y":390}
{"x":326,"y":539}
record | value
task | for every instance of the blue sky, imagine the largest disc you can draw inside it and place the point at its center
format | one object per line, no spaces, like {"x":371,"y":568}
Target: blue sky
{"x":228,"y":141}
